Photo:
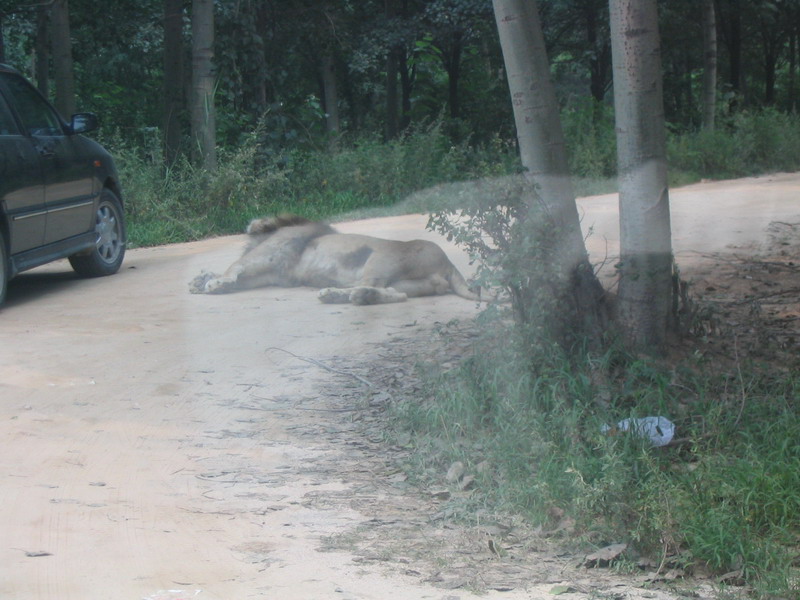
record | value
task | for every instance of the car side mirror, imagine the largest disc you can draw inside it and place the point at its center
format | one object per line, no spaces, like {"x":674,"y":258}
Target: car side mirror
{"x":83,"y":122}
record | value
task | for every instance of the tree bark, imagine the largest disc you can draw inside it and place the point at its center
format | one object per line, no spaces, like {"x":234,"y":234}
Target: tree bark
{"x":645,"y":288}
{"x":407,"y":78}
{"x":451,"y":58}
{"x":174,"y":105}
{"x":392,"y":59}
{"x":731,"y":27}
{"x":709,"y":65}
{"x":543,"y":153}
{"x":203,"y":113}
{"x":331,"y":94}
{"x":62,"y":59}
{"x":539,"y":133}
{"x":792,"y":92}
{"x":42,"y":50}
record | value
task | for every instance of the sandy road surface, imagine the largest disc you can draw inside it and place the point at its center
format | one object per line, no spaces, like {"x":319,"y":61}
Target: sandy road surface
{"x":155,"y":441}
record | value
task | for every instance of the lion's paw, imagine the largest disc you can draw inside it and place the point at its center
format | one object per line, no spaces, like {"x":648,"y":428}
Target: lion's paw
{"x":334,"y":296}
{"x":198,"y":284}
{"x":219,"y":285}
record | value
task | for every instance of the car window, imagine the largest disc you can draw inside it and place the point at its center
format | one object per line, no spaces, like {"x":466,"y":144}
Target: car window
{"x":7,"y":124}
{"x":36,"y":115}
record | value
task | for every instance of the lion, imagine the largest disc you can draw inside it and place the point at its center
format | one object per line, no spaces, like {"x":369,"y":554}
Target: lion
{"x":290,"y":251}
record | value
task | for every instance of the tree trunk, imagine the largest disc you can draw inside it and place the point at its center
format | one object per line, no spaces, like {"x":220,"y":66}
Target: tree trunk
{"x":599,"y":51}
{"x":731,"y":27}
{"x":2,"y":40}
{"x":173,"y":79}
{"x":709,"y":65}
{"x":543,"y":154}
{"x":203,"y":114}
{"x":392,"y":57}
{"x":62,"y":59}
{"x":451,"y":54}
{"x":391,"y":95}
{"x":645,"y":289}
{"x":407,"y":76}
{"x":331,"y":94}
{"x":42,"y":50}
{"x":791,"y":100}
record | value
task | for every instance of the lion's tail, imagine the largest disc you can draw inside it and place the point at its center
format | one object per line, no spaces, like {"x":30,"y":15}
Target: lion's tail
{"x":461,"y":287}
{"x":268,"y":225}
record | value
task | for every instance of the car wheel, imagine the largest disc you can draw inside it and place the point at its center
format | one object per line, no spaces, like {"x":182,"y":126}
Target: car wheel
{"x":3,"y":269}
{"x":106,"y":257}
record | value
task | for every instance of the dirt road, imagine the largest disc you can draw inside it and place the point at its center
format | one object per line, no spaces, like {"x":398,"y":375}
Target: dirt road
{"x":161,"y":445}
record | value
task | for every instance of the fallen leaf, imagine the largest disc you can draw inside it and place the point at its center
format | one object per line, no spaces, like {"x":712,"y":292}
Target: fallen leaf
{"x":605,"y":556}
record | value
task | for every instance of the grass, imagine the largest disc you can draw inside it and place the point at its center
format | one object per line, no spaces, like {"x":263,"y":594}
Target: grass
{"x":726,"y":498}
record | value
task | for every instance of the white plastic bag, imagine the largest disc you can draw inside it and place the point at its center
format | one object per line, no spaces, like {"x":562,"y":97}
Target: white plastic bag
{"x":659,"y":430}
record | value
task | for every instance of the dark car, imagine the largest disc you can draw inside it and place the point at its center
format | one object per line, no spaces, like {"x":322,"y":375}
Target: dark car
{"x":59,"y":190}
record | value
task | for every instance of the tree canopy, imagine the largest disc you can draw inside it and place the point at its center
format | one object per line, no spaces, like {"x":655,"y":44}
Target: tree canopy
{"x":394,"y":63}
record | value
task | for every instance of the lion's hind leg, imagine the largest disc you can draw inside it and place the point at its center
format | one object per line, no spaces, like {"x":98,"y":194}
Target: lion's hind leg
{"x":361,"y":295}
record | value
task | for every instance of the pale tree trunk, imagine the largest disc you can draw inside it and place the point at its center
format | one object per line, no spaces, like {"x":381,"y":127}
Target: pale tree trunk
{"x":709,"y":64}
{"x":203,"y":115}
{"x":543,"y":151}
{"x":645,"y":288}
{"x":173,"y":78}
{"x":62,"y":59}
{"x":331,"y":94}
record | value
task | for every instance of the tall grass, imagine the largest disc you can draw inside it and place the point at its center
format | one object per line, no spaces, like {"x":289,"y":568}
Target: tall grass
{"x":746,"y":143}
{"x":725,"y":497}
{"x":183,"y":202}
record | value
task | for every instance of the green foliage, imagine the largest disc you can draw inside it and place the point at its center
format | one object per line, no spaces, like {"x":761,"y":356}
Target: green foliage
{"x":184,"y":203}
{"x":745,"y":143}
{"x":591,"y":141}
{"x":727,"y":496}
{"x":268,"y":172}
{"x":508,"y":232}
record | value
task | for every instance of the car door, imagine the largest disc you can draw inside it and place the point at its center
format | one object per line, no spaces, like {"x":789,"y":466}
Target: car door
{"x":21,"y":185}
{"x":66,"y":166}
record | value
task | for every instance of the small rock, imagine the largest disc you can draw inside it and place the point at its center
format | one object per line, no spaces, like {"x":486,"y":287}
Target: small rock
{"x":455,"y":472}
{"x":467,"y":483}
{"x":605,"y":556}
{"x":441,"y":495}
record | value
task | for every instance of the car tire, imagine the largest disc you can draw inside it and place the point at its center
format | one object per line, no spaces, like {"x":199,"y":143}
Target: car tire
{"x":3,"y":268}
{"x":107,"y":255}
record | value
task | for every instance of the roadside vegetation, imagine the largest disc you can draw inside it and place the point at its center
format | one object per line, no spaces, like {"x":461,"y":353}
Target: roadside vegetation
{"x":364,"y":175}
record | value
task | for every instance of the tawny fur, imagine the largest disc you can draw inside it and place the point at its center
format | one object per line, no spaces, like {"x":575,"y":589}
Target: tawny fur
{"x":288,"y":251}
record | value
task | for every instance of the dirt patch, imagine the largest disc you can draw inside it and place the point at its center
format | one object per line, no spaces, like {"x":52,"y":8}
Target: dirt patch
{"x":747,"y":300}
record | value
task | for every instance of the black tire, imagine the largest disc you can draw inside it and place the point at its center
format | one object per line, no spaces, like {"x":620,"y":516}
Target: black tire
{"x":109,"y":251}
{"x":3,"y":268}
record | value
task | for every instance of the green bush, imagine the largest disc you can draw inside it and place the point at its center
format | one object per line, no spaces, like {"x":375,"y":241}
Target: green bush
{"x":746,"y":143}
{"x":184,"y":203}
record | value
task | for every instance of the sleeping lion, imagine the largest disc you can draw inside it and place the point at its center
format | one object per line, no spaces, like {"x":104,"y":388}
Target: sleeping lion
{"x":289,"y":251}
